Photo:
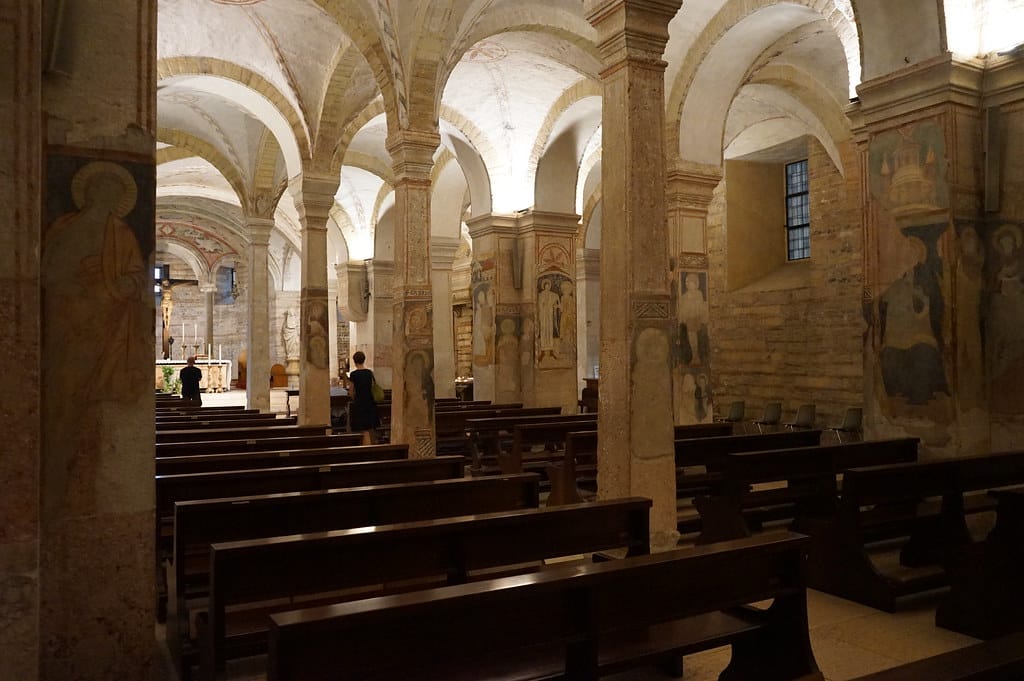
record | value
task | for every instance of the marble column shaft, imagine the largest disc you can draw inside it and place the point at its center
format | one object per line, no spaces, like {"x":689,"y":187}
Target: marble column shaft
{"x":635,"y":422}
{"x":688,"y":197}
{"x":442,"y":255}
{"x":257,"y":373}
{"x":315,"y":204}
{"x":412,"y":406}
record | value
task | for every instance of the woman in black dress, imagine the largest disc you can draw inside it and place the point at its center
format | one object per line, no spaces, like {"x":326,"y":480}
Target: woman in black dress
{"x":362,"y":409}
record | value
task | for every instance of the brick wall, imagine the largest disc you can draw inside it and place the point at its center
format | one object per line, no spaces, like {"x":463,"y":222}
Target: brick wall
{"x":800,"y":339}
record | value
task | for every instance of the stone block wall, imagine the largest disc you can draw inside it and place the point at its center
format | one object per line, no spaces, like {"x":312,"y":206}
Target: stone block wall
{"x":463,"y":340}
{"x":795,"y":336}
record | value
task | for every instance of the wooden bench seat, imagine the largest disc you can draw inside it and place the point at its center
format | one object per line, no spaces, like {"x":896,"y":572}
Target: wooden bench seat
{"x":568,"y":623}
{"x":488,"y":435}
{"x":195,"y":424}
{"x":808,"y":476}
{"x":175,"y":465}
{"x":198,"y":524}
{"x":254,"y":443}
{"x":205,"y":434}
{"x":839,"y":562}
{"x":448,"y":550}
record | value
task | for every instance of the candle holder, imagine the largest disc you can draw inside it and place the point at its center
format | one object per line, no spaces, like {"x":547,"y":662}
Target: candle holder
{"x":196,"y":348}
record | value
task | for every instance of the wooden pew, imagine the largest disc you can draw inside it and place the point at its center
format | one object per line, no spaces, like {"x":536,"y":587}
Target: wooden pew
{"x":176,"y":465}
{"x":256,"y":444}
{"x":441,"y":551}
{"x":986,"y":597}
{"x":839,"y":562}
{"x":198,"y":524}
{"x":707,"y":452}
{"x":809,"y":474}
{"x":579,"y":463}
{"x":179,"y":408}
{"x":1001,"y":659}
{"x":218,"y":423}
{"x":485,"y":434}
{"x":205,"y":434}
{"x":568,"y":623}
{"x":204,"y":415}
{"x":450,"y":426}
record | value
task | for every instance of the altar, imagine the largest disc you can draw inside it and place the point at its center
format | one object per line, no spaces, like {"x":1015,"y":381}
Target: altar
{"x":216,"y":373}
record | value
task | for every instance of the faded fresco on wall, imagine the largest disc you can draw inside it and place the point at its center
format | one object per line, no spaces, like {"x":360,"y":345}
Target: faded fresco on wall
{"x":970,"y":283}
{"x":1004,"y":321}
{"x":693,"y":397}
{"x":693,"y":346}
{"x":317,"y":342}
{"x":482,"y":287}
{"x":555,"y":309}
{"x":507,"y":379}
{"x":911,"y":312}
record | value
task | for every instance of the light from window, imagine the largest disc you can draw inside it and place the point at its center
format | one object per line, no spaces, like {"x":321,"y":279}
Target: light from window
{"x":798,"y":212}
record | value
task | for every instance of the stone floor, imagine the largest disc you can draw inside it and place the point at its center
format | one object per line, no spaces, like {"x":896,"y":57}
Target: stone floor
{"x":848,"y":639}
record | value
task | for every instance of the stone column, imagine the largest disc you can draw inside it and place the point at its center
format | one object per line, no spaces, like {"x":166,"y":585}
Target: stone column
{"x":549,"y":308}
{"x":588,"y":304}
{"x":375,"y":335}
{"x":635,"y":410}
{"x":20,"y":345}
{"x":941,"y":280}
{"x":332,"y":323}
{"x":209,"y":292}
{"x":689,"y":193}
{"x":257,"y":373}
{"x":96,"y":571}
{"x":494,"y":296}
{"x":442,"y":255}
{"x":412,"y":397}
{"x":317,"y":199}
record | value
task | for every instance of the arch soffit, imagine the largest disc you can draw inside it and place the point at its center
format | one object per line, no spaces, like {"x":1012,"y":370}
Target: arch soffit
{"x":341,"y":107}
{"x":730,"y":18}
{"x":206,"y":151}
{"x":475,"y":155}
{"x":225,"y":217}
{"x":351,"y":128}
{"x":886,"y":43}
{"x":592,"y":204}
{"x":448,"y":191}
{"x":355,"y":19}
{"x":185,"y":252}
{"x":172,"y":67}
{"x":573,"y":119}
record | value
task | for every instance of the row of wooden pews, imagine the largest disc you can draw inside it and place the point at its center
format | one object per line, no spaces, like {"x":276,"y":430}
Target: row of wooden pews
{"x":250,"y":539}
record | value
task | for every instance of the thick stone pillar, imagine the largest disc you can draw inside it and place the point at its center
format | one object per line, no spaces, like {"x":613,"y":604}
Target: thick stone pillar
{"x":20,"y":344}
{"x":442,"y":255}
{"x":495,"y":286}
{"x":315,"y":204}
{"x":412,"y":396}
{"x":635,"y":427}
{"x":549,"y":308}
{"x":375,"y":335}
{"x":257,"y":373}
{"x":97,"y":572}
{"x":690,"y":190}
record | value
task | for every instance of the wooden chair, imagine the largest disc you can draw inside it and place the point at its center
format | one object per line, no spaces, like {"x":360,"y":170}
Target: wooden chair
{"x":737,"y":410}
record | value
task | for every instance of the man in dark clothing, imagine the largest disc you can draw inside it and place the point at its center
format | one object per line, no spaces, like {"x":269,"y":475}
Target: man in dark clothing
{"x":190,"y":377}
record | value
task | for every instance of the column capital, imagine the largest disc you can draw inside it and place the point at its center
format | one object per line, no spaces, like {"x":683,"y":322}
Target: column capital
{"x":259,"y":230}
{"x":442,"y":252}
{"x":548,"y":222}
{"x":946,"y":79}
{"x":631,"y":29}
{"x":490,"y":223}
{"x":692,"y":185}
{"x":314,"y":198}
{"x":412,"y":153}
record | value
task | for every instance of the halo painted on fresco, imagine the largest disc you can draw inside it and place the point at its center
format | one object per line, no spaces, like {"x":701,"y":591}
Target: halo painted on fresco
{"x":84,"y":177}
{"x":237,"y":2}
{"x":1013,"y":231}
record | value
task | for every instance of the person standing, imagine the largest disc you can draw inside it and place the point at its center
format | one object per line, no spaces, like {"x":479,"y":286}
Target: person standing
{"x":362,"y":409}
{"x":190,"y":377}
